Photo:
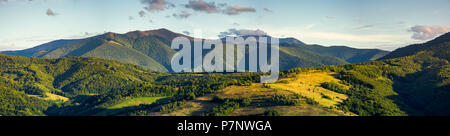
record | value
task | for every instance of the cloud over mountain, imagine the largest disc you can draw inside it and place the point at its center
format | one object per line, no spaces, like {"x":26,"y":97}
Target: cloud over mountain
{"x":428,"y":32}
{"x":242,"y":32}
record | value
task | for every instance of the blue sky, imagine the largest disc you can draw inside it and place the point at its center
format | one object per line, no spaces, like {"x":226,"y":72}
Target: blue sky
{"x":383,"y":24}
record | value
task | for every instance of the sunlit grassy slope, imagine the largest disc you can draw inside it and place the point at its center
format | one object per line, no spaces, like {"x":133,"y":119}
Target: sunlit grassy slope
{"x":259,"y":94}
{"x":308,"y":84}
{"x":135,"y":102}
{"x":50,"y":96}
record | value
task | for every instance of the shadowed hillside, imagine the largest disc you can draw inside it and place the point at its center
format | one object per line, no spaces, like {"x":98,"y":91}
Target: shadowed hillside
{"x":151,"y":49}
{"x":412,"y":85}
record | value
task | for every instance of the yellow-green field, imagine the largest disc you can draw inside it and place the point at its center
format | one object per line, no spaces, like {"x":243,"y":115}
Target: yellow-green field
{"x":305,"y":84}
{"x":191,"y":108}
{"x":50,"y":96}
{"x":135,"y":102}
{"x":308,"y":84}
{"x":299,"y":110}
{"x":256,"y":91}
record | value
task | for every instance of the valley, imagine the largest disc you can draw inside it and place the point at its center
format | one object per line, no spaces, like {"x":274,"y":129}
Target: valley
{"x":413,"y":83}
{"x":151,"y":50}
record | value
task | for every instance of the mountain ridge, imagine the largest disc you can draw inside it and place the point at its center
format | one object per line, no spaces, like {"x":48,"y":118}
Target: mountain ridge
{"x":415,"y":48}
{"x":410,"y":85}
{"x":152,"y":50}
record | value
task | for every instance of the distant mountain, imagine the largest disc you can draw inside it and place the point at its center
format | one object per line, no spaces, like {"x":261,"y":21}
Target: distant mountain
{"x":415,"y":48}
{"x":291,"y":40}
{"x":294,"y":53}
{"x":151,"y":49}
{"x":113,"y":46}
{"x":351,"y":55}
{"x":413,"y":80}
{"x":416,"y":84}
{"x":40,"y":49}
{"x":348,"y":54}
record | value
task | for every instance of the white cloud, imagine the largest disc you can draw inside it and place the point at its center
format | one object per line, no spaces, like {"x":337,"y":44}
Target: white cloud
{"x":428,"y":32}
{"x":182,"y":15}
{"x":157,"y":5}
{"x":202,"y":6}
{"x":235,"y":10}
{"x":242,"y":32}
{"x":212,"y":7}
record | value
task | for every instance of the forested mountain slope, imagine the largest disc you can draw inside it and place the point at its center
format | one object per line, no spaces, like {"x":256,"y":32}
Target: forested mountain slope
{"x":151,"y":49}
{"x":417,"y":84}
{"x":415,"y":48}
{"x":22,"y":77}
{"x":412,"y":85}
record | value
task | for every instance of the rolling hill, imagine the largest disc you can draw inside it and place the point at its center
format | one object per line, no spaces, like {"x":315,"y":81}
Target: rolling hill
{"x":417,"y":82}
{"x":151,"y":49}
{"x":351,"y":55}
{"x":40,"y":49}
{"x":30,"y":85}
{"x":415,"y":48}
{"x":417,"y":85}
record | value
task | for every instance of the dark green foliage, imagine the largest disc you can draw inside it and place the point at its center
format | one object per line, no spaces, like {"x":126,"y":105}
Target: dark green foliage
{"x":244,"y":102}
{"x":310,"y":101}
{"x":244,"y":83}
{"x":413,"y":85}
{"x":228,"y":105}
{"x":283,"y":100}
{"x":172,"y":106}
{"x":151,"y":50}
{"x":191,"y":85}
{"x":416,"y":48}
{"x":70,"y":77}
{"x":155,"y":49}
{"x":224,"y":109}
{"x":351,"y":55}
{"x":15,"y":103}
{"x":333,"y":87}
{"x":272,"y":112}
{"x":92,"y":105}
{"x":326,"y":96}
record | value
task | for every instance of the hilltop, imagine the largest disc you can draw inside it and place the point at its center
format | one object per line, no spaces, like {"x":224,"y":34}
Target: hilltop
{"x":151,"y":50}
{"x":417,"y":84}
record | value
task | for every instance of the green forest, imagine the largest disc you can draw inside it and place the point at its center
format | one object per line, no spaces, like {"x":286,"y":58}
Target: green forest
{"x":416,"y":83}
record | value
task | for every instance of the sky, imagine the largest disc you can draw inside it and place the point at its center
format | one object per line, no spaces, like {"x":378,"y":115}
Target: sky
{"x":381,"y":24}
